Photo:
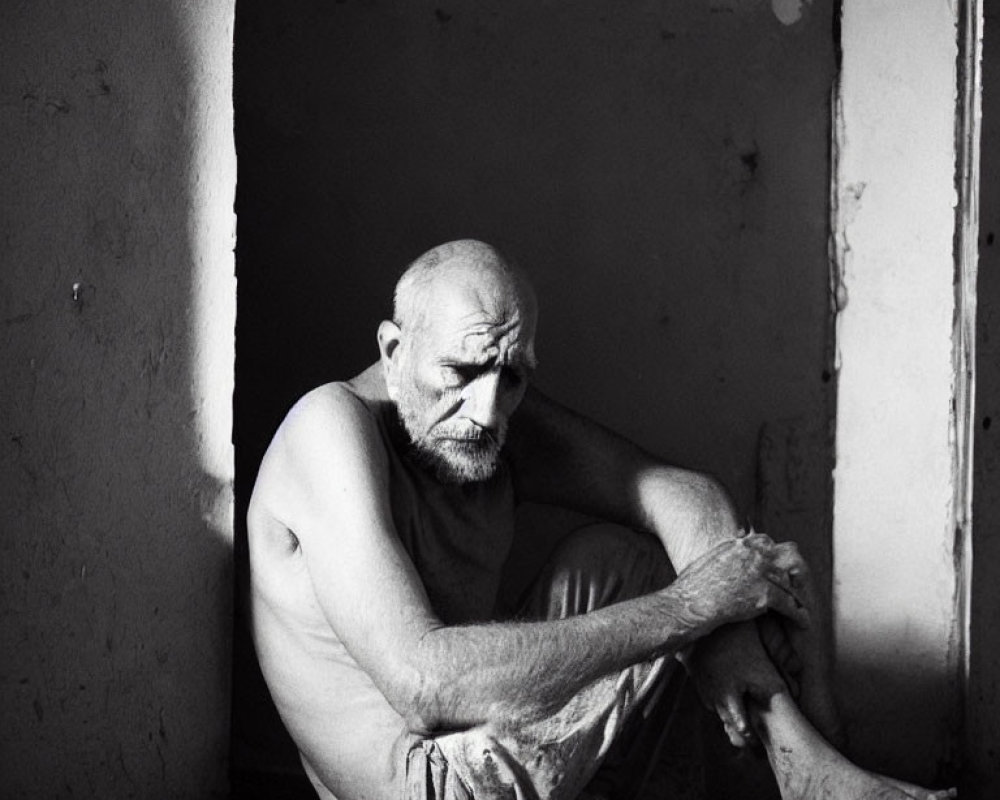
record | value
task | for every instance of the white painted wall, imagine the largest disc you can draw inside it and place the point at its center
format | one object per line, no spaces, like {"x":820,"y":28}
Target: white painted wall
{"x":894,"y":579}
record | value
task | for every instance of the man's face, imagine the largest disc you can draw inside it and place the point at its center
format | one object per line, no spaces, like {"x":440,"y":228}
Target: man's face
{"x":459,"y":376}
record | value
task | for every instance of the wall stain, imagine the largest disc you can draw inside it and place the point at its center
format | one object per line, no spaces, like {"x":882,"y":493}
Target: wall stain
{"x":788,"y":12}
{"x":742,"y":164}
{"x":19,"y":318}
{"x":51,"y":105}
{"x":57,"y":106}
{"x":100,"y":71}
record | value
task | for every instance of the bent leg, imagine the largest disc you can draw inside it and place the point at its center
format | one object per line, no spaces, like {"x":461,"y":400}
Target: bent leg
{"x":593,"y":567}
{"x":812,"y":649}
{"x":793,"y":666}
{"x":556,"y":757}
{"x":787,"y":674}
{"x":731,"y":661}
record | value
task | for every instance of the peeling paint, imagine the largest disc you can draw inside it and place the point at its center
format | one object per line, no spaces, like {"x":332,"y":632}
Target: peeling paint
{"x":851,"y":202}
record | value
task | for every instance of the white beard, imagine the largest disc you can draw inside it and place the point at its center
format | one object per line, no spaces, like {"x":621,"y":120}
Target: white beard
{"x":453,"y":452}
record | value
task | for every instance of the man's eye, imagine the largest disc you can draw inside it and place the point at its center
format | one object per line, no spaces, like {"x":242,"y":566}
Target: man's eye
{"x":461,"y":374}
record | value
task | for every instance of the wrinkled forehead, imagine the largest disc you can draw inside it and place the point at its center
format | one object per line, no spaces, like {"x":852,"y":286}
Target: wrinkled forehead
{"x":481,"y":321}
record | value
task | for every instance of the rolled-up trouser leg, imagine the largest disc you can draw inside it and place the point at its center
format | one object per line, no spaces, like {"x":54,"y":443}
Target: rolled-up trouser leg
{"x":555,"y":757}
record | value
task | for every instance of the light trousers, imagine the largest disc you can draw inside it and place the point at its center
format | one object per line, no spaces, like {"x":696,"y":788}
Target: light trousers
{"x":556,"y":757}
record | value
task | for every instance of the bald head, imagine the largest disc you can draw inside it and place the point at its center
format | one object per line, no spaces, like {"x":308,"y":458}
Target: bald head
{"x":465,"y":264}
{"x":458,"y":355}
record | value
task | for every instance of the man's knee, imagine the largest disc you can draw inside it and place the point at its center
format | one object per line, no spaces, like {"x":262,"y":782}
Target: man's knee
{"x":600,"y":564}
{"x":604,"y":543}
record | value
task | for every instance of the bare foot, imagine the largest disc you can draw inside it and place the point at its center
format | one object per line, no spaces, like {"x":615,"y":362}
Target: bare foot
{"x":836,"y":778}
{"x":808,"y":768}
{"x":918,"y":792}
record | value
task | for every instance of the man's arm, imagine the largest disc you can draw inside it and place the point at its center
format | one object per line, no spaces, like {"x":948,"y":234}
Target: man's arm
{"x":562,"y":458}
{"x":335,"y":498}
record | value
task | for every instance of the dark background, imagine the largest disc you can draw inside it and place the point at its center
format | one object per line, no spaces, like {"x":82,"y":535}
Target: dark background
{"x":660,"y":170}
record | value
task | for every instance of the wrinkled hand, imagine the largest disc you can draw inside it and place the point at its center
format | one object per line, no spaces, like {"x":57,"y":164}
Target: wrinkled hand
{"x":729,"y":666}
{"x":742,"y":578}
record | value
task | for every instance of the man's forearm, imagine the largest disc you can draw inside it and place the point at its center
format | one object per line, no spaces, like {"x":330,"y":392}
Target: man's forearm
{"x":462,"y":676}
{"x":503,"y":671}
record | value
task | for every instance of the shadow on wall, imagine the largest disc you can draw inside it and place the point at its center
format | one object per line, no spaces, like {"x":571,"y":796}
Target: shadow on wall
{"x":116,"y":570}
{"x":905,"y":688}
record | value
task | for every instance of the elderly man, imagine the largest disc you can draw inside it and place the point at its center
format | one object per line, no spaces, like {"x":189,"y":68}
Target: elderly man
{"x":381,"y":518}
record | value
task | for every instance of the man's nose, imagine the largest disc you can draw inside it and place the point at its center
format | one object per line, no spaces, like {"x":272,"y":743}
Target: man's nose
{"x":480,"y":402}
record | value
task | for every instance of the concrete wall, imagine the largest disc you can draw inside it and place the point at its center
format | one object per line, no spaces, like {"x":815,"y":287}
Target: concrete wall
{"x":896,"y":498}
{"x":661,"y":169}
{"x":117,"y":304}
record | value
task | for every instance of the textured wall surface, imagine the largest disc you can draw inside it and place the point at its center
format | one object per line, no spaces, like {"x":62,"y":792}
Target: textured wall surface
{"x":983,"y":733}
{"x":116,"y":167}
{"x":895,"y":580}
{"x":661,"y":170}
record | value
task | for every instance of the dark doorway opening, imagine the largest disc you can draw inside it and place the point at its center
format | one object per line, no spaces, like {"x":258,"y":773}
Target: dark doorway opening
{"x":661,"y":172}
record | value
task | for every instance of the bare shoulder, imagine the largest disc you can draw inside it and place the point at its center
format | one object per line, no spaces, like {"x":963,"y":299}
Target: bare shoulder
{"x":328,"y":409}
{"x":345,"y":410}
{"x":331,"y":431}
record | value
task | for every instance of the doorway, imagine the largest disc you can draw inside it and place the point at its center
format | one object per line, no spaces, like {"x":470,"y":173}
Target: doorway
{"x":660,"y":170}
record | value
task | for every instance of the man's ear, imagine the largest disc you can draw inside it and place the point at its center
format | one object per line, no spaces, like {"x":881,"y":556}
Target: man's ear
{"x":389,"y":337}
